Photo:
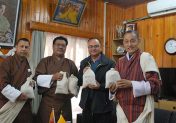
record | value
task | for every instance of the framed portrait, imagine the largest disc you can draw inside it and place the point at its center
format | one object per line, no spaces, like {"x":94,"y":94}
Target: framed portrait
{"x":69,"y":11}
{"x":9,"y":11}
{"x":130,"y":26}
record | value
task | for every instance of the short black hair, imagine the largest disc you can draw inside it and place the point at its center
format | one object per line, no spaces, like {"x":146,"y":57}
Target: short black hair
{"x":93,"y":38}
{"x":60,"y":38}
{"x":132,"y":31}
{"x":23,"y":39}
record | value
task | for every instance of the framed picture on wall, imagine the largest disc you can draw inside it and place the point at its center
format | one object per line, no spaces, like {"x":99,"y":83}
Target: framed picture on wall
{"x":9,"y":11}
{"x":130,"y":26}
{"x":69,"y":11}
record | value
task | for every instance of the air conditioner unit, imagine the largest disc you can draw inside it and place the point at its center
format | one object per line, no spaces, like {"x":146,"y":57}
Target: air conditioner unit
{"x":161,"y":7}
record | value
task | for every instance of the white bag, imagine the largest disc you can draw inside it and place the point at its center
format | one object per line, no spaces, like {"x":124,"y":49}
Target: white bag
{"x":112,"y":76}
{"x":62,"y":85}
{"x":89,"y":78}
{"x":27,"y":89}
{"x":73,"y":85}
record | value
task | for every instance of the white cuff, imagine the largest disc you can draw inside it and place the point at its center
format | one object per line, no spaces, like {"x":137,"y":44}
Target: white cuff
{"x":141,"y":88}
{"x":11,"y":93}
{"x":111,"y":96}
{"x":44,"y":80}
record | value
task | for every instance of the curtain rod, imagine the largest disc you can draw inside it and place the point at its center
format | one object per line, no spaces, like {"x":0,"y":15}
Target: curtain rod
{"x":136,"y":19}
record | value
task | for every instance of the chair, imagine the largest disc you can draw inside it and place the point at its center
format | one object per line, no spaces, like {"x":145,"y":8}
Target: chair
{"x":162,"y":116}
{"x":173,"y":117}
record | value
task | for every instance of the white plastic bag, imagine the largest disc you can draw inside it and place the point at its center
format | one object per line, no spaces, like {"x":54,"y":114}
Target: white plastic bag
{"x":112,"y":76}
{"x":73,"y":85}
{"x":27,"y":89}
{"x":62,"y":85}
{"x":89,"y":78}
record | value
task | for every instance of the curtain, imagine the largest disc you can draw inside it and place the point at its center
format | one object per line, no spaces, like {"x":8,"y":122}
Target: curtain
{"x":37,"y":51}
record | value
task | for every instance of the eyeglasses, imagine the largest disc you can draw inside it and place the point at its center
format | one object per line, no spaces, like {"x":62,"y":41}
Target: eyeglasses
{"x":93,"y":46}
{"x":60,"y":45}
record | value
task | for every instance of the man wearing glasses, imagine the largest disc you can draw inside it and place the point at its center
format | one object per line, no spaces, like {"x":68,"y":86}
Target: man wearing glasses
{"x":97,"y":108}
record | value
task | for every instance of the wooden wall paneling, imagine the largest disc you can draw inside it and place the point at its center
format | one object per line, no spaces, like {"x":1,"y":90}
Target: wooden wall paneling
{"x":62,"y":30}
{"x":47,"y":11}
{"x":88,"y":23}
{"x":174,"y":35}
{"x":84,"y":21}
{"x":115,"y":16}
{"x":142,"y":33}
{"x":37,"y":11}
{"x":91,"y":12}
{"x":109,"y":20}
{"x":140,"y":10}
{"x":28,"y":18}
{"x":107,"y":43}
{"x":32,"y":10}
{"x":158,"y":30}
{"x":23,"y":21}
{"x":100,"y":17}
{"x":169,"y":33}
{"x":148,"y":36}
{"x":19,"y":20}
{"x":24,"y":17}
{"x":129,"y":13}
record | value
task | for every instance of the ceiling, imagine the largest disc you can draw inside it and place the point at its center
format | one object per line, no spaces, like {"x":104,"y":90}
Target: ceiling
{"x":127,"y":3}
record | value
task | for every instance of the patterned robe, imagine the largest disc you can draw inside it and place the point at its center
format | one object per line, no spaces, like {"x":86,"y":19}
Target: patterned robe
{"x":60,"y":102}
{"x":131,"y":70}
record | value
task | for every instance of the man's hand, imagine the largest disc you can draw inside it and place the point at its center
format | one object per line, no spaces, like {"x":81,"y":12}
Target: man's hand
{"x":57,"y":76}
{"x":32,"y":83}
{"x":97,"y":86}
{"x":22,"y":97}
{"x":123,"y":83}
{"x":113,"y":87}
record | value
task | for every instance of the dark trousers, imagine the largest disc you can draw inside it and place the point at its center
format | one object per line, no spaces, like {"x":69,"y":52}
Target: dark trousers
{"x":89,"y":117}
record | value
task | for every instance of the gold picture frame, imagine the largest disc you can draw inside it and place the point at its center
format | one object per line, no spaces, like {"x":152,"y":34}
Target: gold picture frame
{"x":69,"y":11}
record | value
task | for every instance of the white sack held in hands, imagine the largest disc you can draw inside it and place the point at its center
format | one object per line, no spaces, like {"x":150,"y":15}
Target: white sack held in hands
{"x":27,"y":89}
{"x":112,"y":76}
{"x":89,"y":78}
{"x":62,"y":85}
{"x":73,"y":85}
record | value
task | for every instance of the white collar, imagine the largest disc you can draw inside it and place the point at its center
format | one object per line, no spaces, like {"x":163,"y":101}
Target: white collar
{"x":128,"y":56}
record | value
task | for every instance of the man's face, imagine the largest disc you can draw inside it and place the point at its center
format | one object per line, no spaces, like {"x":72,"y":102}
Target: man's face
{"x":130,"y":43}
{"x":94,"y":47}
{"x":59,"y":47}
{"x":23,"y":48}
